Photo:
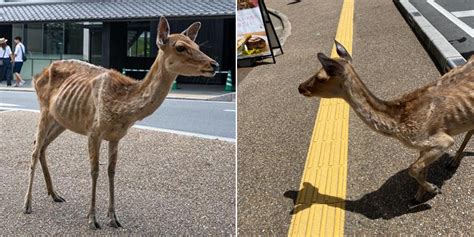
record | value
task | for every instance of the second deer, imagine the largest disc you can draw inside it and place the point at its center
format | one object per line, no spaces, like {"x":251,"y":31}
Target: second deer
{"x":425,"y":119}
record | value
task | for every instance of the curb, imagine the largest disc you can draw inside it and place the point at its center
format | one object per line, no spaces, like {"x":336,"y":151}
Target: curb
{"x":442,"y":52}
{"x":285,"y":24}
{"x":23,"y":89}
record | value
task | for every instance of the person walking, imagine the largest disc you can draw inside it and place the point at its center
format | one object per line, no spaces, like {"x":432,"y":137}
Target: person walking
{"x":6,"y":58}
{"x":19,"y":57}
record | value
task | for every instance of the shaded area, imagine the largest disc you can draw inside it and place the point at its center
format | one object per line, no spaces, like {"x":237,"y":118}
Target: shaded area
{"x":394,"y":198}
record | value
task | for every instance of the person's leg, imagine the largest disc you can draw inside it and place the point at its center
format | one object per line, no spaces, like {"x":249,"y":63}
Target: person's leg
{"x":2,"y":78}
{"x":7,"y":73}
{"x":16,"y":73}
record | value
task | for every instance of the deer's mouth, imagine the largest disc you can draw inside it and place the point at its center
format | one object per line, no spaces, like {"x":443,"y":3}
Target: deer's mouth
{"x":209,"y":73}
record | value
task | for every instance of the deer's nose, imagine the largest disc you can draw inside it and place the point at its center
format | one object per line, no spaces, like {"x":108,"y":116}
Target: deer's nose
{"x":215,"y":65}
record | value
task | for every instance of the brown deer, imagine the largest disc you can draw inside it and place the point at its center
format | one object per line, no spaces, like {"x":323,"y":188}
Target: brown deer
{"x":425,"y":119}
{"x":102,"y":104}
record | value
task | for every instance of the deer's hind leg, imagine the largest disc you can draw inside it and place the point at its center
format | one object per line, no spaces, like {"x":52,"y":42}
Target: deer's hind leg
{"x":439,"y":143}
{"x":45,"y":125}
{"x":53,"y":133}
{"x":456,"y":160}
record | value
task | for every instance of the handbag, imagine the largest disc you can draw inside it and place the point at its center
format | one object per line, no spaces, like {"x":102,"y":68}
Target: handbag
{"x":23,"y":55}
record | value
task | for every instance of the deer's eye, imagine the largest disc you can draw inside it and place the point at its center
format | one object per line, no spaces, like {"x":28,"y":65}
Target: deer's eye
{"x":180,"y":48}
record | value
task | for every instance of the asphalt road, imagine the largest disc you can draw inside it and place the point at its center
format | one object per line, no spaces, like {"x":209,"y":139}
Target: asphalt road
{"x":275,"y":125}
{"x":166,"y":184}
{"x":205,"y":118}
{"x":454,"y":19}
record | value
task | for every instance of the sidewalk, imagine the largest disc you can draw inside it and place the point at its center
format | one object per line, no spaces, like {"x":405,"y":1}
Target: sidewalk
{"x":184,"y":91}
{"x":165,"y":184}
{"x":274,"y":136}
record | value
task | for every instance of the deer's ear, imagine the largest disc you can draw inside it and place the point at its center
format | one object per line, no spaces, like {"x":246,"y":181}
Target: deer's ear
{"x":192,"y":30}
{"x":331,"y":66}
{"x":342,"y":52}
{"x":163,"y":32}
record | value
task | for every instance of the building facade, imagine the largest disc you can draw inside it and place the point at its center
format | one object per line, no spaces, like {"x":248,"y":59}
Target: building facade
{"x":119,"y":34}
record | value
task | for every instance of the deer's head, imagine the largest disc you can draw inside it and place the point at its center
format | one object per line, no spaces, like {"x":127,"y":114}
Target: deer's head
{"x":181,"y":54}
{"x":329,"y":81}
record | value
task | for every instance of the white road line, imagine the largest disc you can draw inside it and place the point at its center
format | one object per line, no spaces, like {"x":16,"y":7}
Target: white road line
{"x":189,"y":134}
{"x":9,"y":105}
{"x":229,"y":110}
{"x":201,"y":101}
{"x":466,"y":28}
{"x":9,"y":109}
{"x":460,"y":14}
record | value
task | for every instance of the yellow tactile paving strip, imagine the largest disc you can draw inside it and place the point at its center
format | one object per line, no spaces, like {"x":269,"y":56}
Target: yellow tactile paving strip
{"x":319,"y":210}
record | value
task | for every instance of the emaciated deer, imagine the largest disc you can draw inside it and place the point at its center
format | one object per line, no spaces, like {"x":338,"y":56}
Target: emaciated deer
{"x":103,"y":104}
{"x":425,"y":119}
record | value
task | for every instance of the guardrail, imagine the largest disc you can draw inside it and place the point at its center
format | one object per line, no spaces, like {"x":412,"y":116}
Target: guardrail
{"x":228,"y":85}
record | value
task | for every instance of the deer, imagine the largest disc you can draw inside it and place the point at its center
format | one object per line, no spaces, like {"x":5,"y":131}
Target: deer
{"x":425,"y":119}
{"x":103,"y":104}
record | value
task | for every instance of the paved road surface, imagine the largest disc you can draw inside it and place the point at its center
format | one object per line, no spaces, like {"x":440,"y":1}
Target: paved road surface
{"x":166,"y":184}
{"x":275,"y":125}
{"x":192,"y":116}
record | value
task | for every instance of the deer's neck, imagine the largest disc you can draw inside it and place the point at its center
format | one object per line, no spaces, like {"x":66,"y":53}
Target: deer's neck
{"x":153,"y":89}
{"x":379,"y":115}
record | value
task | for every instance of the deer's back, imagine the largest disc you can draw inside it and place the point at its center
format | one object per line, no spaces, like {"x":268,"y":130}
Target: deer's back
{"x":446,"y":104}
{"x":65,"y":88}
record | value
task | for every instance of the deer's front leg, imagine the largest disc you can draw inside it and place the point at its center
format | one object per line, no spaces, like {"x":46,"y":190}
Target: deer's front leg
{"x":113,"y":150}
{"x":94,"y":147}
{"x":456,"y":160}
{"x":419,"y":169}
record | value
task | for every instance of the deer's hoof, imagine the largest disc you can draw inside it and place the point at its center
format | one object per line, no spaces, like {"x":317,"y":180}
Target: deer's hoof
{"x":27,"y":207}
{"x":113,"y":220}
{"x":94,"y":225}
{"x":114,"y":223}
{"x":57,"y":198}
{"x":435,"y":190}
{"x":27,"y":210}
{"x":415,"y":202}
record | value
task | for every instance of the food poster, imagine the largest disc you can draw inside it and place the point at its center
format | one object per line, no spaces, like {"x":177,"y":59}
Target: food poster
{"x":252,"y":40}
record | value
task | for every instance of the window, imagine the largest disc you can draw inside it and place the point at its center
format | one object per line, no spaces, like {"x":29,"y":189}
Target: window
{"x":73,"y":39}
{"x":138,"y":39}
{"x":34,"y":38}
{"x":53,"y":38}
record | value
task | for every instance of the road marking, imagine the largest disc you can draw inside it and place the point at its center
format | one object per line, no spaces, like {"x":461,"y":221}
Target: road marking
{"x":460,"y":14}
{"x":465,"y":27}
{"x":189,"y":134}
{"x":9,"y":105}
{"x":229,"y":110}
{"x":319,"y":209}
{"x":9,"y":109}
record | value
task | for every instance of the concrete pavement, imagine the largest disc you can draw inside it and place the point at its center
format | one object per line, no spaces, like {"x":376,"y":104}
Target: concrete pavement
{"x":202,"y":118}
{"x":275,"y":125}
{"x":391,"y":61}
{"x":166,"y":184}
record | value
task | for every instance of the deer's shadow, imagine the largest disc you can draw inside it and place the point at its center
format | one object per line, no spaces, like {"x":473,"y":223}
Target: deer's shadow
{"x":394,"y":198}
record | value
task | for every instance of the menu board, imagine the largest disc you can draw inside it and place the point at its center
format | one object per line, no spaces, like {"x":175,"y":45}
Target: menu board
{"x":252,"y":40}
